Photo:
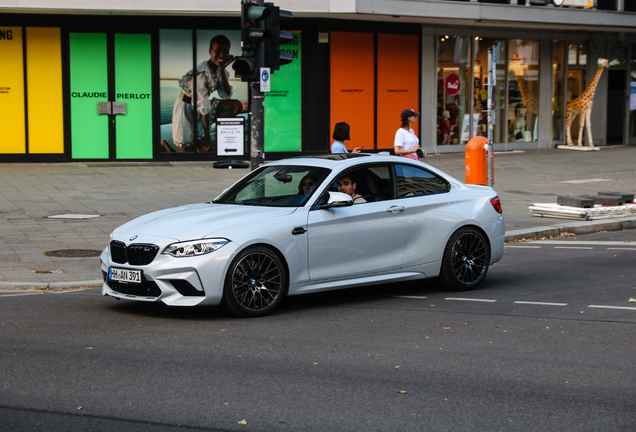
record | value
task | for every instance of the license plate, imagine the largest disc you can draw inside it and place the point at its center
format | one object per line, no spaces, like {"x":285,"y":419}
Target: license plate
{"x":126,"y":276}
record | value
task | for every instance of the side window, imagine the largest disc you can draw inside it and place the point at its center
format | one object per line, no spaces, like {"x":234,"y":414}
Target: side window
{"x":372,"y":183}
{"x":414,"y":181}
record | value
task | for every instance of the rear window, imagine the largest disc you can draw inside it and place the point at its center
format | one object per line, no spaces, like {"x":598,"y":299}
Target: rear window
{"x":415,"y":181}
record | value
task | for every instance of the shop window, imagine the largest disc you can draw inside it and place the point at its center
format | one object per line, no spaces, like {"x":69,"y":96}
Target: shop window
{"x":523,"y":90}
{"x":577,"y":55}
{"x":617,"y":56}
{"x":558,"y":106}
{"x":453,"y":90}
{"x":629,"y":5}
{"x":606,"y":5}
{"x":193,"y":94}
{"x":480,"y":96}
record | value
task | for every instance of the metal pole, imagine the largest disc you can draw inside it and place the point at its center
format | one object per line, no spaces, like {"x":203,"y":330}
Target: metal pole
{"x":257,"y":126}
{"x":257,"y":110}
{"x":492,"y":69}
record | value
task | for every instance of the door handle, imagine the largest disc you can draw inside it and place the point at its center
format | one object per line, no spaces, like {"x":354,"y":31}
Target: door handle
{"x":104,"y":108}
{"x":395,"y":209}
{"x":119,"y":108}
{"x":111,"y":108}
{"x":299,"y":230}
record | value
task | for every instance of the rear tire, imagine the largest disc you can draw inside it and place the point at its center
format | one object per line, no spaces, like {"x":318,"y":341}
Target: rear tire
{"x":466,"y":260}
{"x":255,"y":284}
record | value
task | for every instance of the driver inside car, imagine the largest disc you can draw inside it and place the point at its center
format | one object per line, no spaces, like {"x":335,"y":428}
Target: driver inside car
{"x":347,"y":184}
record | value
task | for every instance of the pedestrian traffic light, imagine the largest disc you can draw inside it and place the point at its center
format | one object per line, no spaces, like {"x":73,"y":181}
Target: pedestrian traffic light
{"x":246,"y":68}
{"x":274,"y":57}
{"x":253,"y":34}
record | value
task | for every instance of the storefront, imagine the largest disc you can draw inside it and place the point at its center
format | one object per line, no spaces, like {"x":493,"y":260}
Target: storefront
{"x":151,"y":87}
{"x":537,"y":75}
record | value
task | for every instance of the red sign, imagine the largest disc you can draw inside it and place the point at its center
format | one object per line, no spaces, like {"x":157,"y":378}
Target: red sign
{"x":452,"y":84}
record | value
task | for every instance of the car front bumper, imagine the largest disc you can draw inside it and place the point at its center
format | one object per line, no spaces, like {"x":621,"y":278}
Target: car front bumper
{"x":184,"y":281}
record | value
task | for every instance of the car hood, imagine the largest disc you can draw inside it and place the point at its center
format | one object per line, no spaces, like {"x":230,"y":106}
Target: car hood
{"x":198,"y":220}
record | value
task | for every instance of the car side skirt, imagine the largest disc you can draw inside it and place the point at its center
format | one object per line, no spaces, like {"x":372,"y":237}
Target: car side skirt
{"x":403,"y":275}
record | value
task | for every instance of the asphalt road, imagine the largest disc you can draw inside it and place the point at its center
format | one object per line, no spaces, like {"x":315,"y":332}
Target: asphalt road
{"x":407,"y":357}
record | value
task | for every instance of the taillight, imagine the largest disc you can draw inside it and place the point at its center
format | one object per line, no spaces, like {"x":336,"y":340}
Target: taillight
{"x":496,"y":203}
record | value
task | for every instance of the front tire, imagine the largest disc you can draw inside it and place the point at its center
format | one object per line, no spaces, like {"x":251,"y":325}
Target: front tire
{"x":255,"y":284}
{"x":466,"y":260}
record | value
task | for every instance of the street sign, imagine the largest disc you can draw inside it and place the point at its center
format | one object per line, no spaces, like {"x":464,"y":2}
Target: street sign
{"x":265,"y":79}
{"x":230,"y":136}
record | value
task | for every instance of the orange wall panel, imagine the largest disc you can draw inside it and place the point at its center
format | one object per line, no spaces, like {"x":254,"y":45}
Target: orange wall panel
{"x":398,"y":83}
{"x":352,"y":86}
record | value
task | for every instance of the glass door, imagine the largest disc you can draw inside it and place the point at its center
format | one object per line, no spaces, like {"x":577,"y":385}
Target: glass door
{"x":111,"y":96}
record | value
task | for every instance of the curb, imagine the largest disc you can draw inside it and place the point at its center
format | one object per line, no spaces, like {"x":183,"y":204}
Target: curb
{"x":58,"y":284}
{"x":582,"y":227}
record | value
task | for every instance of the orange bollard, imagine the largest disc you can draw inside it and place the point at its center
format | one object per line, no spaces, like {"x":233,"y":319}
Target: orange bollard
{"x":477,"y":161}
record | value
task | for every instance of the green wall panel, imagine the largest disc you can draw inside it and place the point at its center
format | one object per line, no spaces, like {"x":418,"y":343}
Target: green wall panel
{"x":133,"y":85}
{"x":89,"y":85}
{"x":283,"y":103}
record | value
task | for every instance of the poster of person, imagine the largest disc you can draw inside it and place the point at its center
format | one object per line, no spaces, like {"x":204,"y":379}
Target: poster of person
{"x":193,"y":94}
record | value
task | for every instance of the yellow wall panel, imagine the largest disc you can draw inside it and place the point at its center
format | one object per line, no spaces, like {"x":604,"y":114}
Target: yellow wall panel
{"x":44,"y":87}
{"x":12,"y":133}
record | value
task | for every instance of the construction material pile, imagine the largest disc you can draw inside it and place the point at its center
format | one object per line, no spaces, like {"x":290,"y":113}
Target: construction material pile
{"x":605,"y":205}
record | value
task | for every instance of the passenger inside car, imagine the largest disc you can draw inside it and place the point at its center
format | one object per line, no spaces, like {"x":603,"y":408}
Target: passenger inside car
{"x":306,"y":185}
{"x":347,"y":184}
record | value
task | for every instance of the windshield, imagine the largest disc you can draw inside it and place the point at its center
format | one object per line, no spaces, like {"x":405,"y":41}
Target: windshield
{"x":276,"y":186}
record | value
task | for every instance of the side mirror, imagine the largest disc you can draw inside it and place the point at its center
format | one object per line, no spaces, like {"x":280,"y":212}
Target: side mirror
{"x":337,"y":199}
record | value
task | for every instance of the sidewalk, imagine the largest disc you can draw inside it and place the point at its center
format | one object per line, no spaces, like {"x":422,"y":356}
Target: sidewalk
{"x":118,"y":192}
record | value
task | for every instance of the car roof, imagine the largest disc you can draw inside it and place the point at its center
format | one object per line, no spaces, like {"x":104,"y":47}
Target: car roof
{"x":333,"y":161}
{"x":340,"y":161}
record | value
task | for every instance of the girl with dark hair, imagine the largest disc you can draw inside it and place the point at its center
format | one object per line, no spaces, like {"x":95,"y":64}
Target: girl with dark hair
{"x":341,"y":134}
{"x":407,"y":144}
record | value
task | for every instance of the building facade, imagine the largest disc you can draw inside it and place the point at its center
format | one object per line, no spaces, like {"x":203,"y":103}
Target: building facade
{"x":104,"y":80}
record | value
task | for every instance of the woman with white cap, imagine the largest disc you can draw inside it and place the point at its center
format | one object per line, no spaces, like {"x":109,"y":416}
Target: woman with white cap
{"x":407,"y":144}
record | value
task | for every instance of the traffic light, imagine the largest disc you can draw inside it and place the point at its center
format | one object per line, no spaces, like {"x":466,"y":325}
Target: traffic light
{"x":253,"y":30}
{"x":261,"y":38}
{"x":253,"y":34}
{"x":274,"y":57}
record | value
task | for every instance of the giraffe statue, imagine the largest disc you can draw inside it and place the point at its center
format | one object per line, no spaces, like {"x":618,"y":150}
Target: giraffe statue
{"x":528,"y":113}
{"x":582,"y":106}
{"x":529,"y":101}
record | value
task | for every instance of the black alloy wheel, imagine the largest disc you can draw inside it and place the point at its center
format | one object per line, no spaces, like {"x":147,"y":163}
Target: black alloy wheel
{"x":255,"y":284}
{"x":466,"y":260}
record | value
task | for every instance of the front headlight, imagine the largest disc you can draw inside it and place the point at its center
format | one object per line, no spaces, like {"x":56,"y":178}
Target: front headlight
{"x":195,"y":247}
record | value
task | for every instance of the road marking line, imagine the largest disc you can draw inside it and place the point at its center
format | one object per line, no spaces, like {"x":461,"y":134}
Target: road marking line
{"x":571,"y":247}
{"x":471,"y":299}
{"x":592,"y":180}
{"x":523,"y":247}
{"x":586,"y":242}
{"x":621,"y":249}
{"x":66,"y":291}
{"x":541,"y":303}
{"x":411,"y":297}
{"x":612,"y":307}
{"x":23,"y":294}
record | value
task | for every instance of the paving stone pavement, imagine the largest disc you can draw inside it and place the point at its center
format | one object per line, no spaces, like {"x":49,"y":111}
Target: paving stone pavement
{"x":120,"y":191}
